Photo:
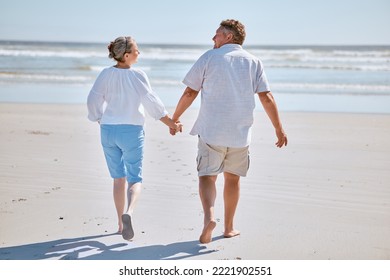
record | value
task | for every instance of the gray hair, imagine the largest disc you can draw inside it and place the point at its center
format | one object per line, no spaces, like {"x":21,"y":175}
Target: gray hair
{"x":236,"y":28}
{"x":118,"y":48}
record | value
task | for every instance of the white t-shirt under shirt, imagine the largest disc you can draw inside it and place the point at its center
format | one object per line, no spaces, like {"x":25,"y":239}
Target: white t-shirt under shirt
{"x":228,"y":78}
{"x":124,"y":93}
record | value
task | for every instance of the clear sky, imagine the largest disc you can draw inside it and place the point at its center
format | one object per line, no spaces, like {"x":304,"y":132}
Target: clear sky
{"x":268,"y":22}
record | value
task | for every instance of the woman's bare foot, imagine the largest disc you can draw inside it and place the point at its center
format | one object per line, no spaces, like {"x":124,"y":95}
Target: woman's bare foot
{"x":231,"y":233}
{"x":120,"y":228}
{"x":127,"y":232}
{"x":207,"y":232}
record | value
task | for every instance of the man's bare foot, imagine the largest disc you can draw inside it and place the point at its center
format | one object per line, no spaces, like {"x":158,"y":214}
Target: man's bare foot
{"x":231,"y":233}
{"x":207,"y":232}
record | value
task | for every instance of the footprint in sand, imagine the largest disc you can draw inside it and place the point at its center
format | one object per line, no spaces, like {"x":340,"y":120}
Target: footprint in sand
{"x":19,"y":200}
{"x":38,"y":132}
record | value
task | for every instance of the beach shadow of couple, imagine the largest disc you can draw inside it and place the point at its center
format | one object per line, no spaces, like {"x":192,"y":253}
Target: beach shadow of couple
{"x":93,"y":248}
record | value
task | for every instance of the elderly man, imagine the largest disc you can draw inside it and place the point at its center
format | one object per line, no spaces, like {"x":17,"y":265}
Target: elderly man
{"x":228,"y":78}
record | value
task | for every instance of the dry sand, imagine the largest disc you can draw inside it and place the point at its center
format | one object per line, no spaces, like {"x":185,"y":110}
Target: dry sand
{"x":325,"y":196}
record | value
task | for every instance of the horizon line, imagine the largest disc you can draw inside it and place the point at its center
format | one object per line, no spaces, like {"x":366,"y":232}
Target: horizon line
{"x":199,"y":44}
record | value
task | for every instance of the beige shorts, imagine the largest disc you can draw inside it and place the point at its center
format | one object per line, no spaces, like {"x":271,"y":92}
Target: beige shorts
{"x":213,"y":160}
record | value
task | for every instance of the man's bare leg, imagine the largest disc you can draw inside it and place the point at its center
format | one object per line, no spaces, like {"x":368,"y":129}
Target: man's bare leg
{"x":119,"y":192}
{"x":231,"y":195}
{"x":208,"y":194}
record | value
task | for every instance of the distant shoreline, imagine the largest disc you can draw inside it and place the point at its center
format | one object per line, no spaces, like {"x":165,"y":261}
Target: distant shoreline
{"x":197,"y":45}
{"x":302,"y":78}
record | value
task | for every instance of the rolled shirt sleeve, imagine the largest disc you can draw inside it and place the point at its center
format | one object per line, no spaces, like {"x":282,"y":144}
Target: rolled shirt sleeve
{"x":261,"y":82}
{"x":194,"y":78}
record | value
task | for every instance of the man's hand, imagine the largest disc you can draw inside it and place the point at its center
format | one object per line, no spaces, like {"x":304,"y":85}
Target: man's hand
{"x":282,"y":138}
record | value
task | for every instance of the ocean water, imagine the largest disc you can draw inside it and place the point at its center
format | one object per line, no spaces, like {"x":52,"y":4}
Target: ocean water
{"x":302,"y":78}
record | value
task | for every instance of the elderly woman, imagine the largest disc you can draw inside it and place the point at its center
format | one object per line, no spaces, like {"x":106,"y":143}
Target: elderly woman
{"x":117,"y":101}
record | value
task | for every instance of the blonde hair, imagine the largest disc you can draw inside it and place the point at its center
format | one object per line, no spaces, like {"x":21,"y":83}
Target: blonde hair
{"x":118,"y":48}
{"x":236,"y":28}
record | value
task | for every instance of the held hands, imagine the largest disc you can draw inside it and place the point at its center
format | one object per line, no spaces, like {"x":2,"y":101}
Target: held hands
{"x":174,"y":126}
{"x":178,"y":128}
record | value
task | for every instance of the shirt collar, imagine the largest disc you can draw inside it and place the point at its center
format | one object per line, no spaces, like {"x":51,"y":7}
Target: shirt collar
{"x":231,"y":46}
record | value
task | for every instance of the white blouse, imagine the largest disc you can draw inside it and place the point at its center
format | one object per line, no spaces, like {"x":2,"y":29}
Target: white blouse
{"x":119,"y":96}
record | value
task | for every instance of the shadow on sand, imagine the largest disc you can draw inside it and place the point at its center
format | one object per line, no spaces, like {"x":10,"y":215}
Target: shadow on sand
{"x":93,"y":248}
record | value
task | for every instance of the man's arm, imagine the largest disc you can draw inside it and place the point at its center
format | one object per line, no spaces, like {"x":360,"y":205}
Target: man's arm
{"x":269,"y":105}
{"x":185,"y":101}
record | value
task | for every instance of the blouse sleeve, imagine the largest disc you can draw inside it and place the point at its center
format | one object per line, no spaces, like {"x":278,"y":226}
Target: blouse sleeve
{"x":150,"y":100}
{"x":95,"y":98}
{"x":153,"y":105}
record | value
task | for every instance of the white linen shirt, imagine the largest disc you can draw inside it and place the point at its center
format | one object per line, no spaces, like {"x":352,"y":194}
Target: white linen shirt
{"x":228,"y":78}
{"x":119,"y":96}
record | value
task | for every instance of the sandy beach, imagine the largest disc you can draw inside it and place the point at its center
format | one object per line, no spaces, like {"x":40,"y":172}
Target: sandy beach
{"x":325,"y":196}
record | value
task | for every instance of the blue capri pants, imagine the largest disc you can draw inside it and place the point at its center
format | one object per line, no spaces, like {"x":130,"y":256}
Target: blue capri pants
{"x":123,"y":147}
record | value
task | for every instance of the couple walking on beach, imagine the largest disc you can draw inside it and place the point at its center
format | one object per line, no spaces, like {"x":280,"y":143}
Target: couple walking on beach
{"x":228,"y":78}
